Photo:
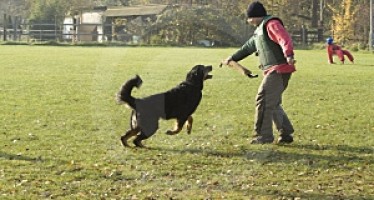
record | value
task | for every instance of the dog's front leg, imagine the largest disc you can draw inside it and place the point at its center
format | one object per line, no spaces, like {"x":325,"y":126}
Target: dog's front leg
{"x":189,"y":124}
{"x":178,"y":127}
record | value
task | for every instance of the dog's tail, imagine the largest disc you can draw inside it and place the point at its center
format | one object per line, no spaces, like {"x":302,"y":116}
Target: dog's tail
{"x":124,"y":95}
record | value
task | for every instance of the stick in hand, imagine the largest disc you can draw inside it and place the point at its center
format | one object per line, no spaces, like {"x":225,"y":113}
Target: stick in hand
{"x":241,"y":69}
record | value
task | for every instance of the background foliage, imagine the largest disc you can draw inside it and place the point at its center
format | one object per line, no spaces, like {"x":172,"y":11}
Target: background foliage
{"x":338,"y":18}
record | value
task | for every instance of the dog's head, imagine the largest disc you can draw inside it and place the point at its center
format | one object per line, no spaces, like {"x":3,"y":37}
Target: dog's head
{"x":199,"y":74}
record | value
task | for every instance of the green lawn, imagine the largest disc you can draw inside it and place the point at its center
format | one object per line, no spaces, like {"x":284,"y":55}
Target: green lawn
{"x":60,"y":128}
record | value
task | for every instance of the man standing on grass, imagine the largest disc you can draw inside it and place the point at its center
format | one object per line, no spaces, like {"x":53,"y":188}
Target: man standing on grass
{"x":273,"y":45}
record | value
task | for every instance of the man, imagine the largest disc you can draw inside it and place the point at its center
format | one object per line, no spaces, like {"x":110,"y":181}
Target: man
{"x":273,"y":45}
{"x":334,"y":49}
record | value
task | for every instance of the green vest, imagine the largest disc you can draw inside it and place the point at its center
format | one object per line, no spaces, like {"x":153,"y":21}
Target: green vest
{"x":269,"y":52}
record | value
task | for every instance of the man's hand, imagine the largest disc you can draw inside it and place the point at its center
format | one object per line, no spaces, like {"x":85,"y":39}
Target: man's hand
{"x":226,"y":61}
{"x":291,"y":60}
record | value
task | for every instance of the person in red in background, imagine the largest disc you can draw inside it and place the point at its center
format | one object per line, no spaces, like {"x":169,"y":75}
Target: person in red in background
{"x":333,"y":49}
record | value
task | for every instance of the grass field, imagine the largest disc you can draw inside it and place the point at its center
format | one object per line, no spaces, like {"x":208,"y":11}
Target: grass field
{"x":60,"y":128}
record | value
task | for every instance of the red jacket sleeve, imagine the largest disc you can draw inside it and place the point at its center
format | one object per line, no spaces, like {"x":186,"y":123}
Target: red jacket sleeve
{"x":279,"y":35}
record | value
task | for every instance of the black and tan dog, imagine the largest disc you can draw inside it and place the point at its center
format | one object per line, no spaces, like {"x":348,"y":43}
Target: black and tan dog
{"x":178,"y":103}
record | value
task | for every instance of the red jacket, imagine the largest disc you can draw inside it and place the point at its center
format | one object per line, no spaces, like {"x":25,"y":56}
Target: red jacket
{"x":333,"y":49}
{"x":279,"y":35}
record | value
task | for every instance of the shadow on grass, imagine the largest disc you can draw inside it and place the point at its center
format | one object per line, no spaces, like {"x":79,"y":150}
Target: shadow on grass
{"x":19,"y":157}
{"x":364,"y":65}
{"x":317,"y":195}
{"x":8,"y":156}
{"x":305,"y":154}
{"x":345,"y":148}
{"x":314,"y":156}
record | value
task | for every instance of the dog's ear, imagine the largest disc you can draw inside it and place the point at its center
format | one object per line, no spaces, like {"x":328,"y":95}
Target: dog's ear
{"x":191,"y":74}
{"x":196,"y":73}
{"x":195,"y":76}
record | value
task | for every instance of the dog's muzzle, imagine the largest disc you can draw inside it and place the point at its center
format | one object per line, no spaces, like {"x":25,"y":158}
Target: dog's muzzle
{"x":208,"y":69}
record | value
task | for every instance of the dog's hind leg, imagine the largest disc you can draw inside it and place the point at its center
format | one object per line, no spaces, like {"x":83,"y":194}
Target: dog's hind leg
{"x":189,"y":124}
{"x":130,"y":133}
{"x":138,"y":140}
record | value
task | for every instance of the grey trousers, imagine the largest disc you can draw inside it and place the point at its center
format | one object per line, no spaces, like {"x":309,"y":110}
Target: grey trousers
{"x":268,"y":106}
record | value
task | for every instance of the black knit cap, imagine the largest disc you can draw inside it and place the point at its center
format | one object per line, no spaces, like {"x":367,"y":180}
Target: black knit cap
{"x":256,"y":9}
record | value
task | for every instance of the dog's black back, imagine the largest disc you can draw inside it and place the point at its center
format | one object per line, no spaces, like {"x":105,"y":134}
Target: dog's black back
{"x":179,"y":102}
{"x":182,"y":101}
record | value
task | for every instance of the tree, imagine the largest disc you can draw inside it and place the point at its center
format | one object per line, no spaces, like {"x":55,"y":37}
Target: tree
{"x":343,"y":21}
{"x":186,"y":26}
{"x":361,"y":27}
{"x":50,"y":10}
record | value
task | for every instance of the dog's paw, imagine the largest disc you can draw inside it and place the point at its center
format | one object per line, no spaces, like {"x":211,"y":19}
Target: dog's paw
{"x":124,"y":142}
{"x":138,"y":144}
{"x":189,"y":128}
{"x":170,"y":132}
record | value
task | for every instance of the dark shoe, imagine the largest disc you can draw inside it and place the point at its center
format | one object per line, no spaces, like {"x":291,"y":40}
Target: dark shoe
{"x":285,"y":139}
{"x":262,"y":140}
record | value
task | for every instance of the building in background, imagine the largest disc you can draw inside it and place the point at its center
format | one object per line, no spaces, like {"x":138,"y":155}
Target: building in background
{"x":119,"y":23}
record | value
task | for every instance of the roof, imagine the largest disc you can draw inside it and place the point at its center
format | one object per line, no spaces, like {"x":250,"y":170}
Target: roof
{"x":124,"y":11}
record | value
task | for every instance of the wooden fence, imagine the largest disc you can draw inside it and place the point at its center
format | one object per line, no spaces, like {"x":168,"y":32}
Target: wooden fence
{"x":50,"y":32}
{"x":306,"y":37}
{"x":39,"y":32}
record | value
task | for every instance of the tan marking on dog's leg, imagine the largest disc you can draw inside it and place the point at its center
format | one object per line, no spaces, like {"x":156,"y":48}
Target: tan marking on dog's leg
{"x":130,"y":133}
{"x":189,"y":124}
{"x":176,"y":129}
